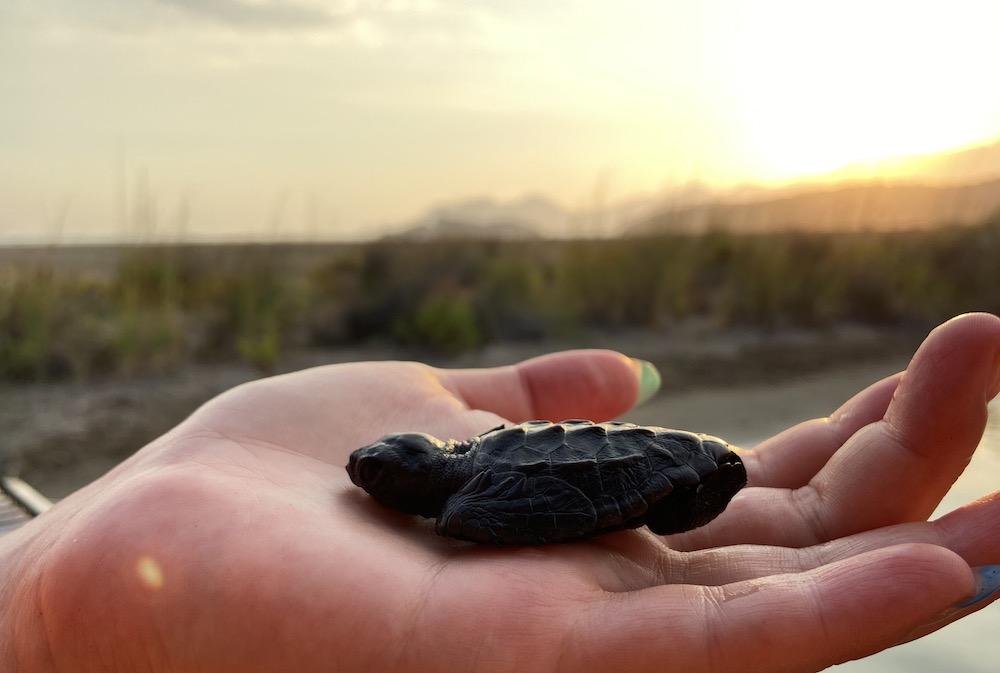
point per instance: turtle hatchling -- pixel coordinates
(541, 482)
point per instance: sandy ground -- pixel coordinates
(61, 436)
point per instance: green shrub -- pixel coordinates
(442, 323)
(161, 307)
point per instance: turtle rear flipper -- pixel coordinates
(689, 507)
(511, 508)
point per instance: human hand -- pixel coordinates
(236, 541)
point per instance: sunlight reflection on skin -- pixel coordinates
(149, 572)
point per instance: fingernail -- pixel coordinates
(649, 380)
(995, 385)
(987, 584)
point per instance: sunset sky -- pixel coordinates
(305, 118)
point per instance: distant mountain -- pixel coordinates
(868, 205)
(965, 166)
(534, 216)
(441, 229)
(530, 216)
(902, 193)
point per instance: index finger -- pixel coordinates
(593, 384)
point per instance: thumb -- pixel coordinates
(592, 384)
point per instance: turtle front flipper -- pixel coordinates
(511, 508)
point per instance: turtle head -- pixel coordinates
(406, 472)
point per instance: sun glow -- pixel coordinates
(357, 117)
(815, 86)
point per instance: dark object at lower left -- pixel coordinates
(541, 482)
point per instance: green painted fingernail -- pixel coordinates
(987, 584)
(649, 380)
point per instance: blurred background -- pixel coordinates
(772, 201)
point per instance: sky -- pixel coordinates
(288, 119)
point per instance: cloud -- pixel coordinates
(259, 15)
(232, 32)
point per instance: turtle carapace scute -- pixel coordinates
(541, 482)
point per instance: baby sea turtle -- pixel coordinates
(541, 482)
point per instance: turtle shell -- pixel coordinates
(621, 467)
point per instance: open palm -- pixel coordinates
(236, 542)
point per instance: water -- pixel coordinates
(969, 645)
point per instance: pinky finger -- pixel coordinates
(987, 591)
(795, 622)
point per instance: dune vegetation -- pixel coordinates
(160, 307)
